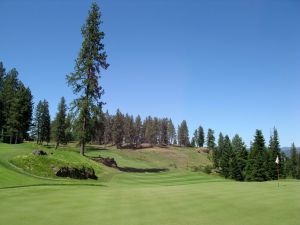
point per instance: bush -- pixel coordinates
(205, 169)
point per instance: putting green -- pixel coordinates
(117, 198)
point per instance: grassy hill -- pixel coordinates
(31, 194)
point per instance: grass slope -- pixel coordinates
(177, 197)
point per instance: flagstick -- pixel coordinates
(278, 173)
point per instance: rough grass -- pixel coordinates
(178, 197)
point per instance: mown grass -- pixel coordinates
(177, 197)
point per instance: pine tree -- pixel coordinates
(294, 161)
(210, 139)
(16, 104)
(45, 123)
(195, 139)
(273, 152)
(2, 76)
(108, 125)
(226, 158)
(99, 126)
(26, 109)
(129, 129)
(256, 169)
(240, 155)
(38, 122)
(164, 140)
(60, 123)
(118, 129)
(183, 133)
(201, 137)
(9, 97)
(298, 166)
(85, 79)
(138, 126)
(171, 132)
(193, 142)
(69, 129)
(218, 151)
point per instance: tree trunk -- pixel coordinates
(16, 140)
(10, 139)
(82, 144)
(57, 144)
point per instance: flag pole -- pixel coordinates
(277, 162)
(278, 174)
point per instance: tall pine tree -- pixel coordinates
(240, 156)
(210, 140)
(293, 161)
(60, 123)
(256, 169)
(201, 136)
(274, 152)
(226, 159)
(183, 133)
(85, 80)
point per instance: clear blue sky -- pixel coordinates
(233, 66)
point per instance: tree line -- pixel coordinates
(232, 159)
(16, 105)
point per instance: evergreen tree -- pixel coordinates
(226, 158)
(210, 139)
(2, 76)
(193, 142)
(69, 129)
(26, 109)
(108, 124)
(85, 79)
(298, 166)
(273, 152)
(218, 151)
(156, 131)
(201, 136)
(293, 161)
(10, 105)
(16, 107)
(99, 127)
(240, 155)
(129, 131)
(118, 129)
(195, 139)
(60, 123)
(164, 138)
(45, 123)
(171, 132)
(183, 132)
(138, 126)
(256, 169)
(38, 122)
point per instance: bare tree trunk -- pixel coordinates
(16, 140)
(57, 144)
(10, 139)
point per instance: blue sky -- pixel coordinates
(233, 66)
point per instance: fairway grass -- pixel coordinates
(177, 197)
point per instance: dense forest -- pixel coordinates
(84, 121)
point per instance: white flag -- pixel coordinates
(277, 160)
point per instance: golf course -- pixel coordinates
(149, 112)
(31, 194)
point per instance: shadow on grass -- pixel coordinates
(46, 185)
